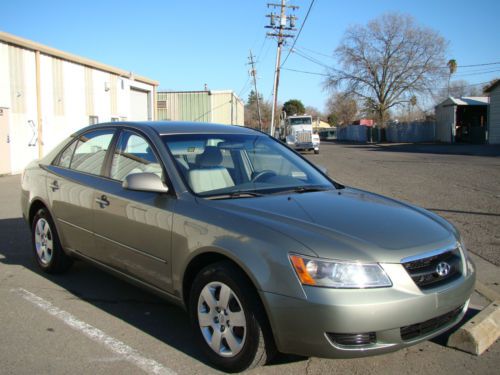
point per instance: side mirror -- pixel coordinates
(323, 169)
(144, 182)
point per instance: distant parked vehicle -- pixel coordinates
(298, 133)
(262, 248)
(328, 134)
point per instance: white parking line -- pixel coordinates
(126, 352)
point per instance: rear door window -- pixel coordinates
(90, 151)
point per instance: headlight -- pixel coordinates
(332, 274)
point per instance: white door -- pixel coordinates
(4, 142)
(139, 106)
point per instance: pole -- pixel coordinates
(253, 72)
(284, 21)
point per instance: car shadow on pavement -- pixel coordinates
(143, 310)
(443, 338)
(431, 148)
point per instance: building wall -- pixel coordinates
(222, 107)
(70, 93)
(445, 123)
(494, 117)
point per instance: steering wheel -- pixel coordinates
(265, 173)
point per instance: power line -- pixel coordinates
(306, 72)
(300, 30)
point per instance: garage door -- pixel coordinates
(139, 105)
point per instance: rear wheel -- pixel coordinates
(46, 245)
(228, 319)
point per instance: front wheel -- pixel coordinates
(316, 152)
(46, 245)
(228, 320)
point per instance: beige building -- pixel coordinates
(222, 107)
(46, 94)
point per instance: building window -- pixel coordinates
(93, 120)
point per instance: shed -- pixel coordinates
(47, 94)
(222, 107)
(494, 112)
(462, 120)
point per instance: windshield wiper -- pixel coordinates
(302, 189)
(236, 194)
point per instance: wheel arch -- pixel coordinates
(211, 256)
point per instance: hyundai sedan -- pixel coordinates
(264, 251)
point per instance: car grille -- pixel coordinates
(420, 329)
(427, 272)
(304, 137)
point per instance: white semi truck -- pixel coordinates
(298, 133)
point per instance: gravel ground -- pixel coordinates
(465, 189)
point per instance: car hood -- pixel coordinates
(348, 224)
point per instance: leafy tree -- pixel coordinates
(252, 114)
(388, 61)
(294, 107)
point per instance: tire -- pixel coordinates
(316, 152)
(244, 343)
(46, 245)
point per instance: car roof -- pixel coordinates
(180, 127)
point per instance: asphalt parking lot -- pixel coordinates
(90, 322)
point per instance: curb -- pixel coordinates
(480, 332)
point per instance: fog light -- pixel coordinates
(353, 339)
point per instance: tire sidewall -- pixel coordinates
(51, 266)
(254, 338)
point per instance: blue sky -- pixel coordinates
(185, 44)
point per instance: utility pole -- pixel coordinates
(285, 23)
(253, 73)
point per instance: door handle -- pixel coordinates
(102, 201)
(54, 185)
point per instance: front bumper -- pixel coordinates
(305, 326)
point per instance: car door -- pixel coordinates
(133, 229)
(70, 185)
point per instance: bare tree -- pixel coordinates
(342, 108)
(458, 89)
(388, 62)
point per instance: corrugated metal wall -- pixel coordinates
(184, 106)
(494, 117)
(445, 123)
(201, 106)
(68, 93)
(17, 82)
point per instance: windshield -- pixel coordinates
(233, 164)
(300, 120)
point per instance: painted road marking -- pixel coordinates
(123, 350)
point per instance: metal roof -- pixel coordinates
(34, 46)
(466, 100)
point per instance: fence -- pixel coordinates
(411, 132)
(401, 132)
